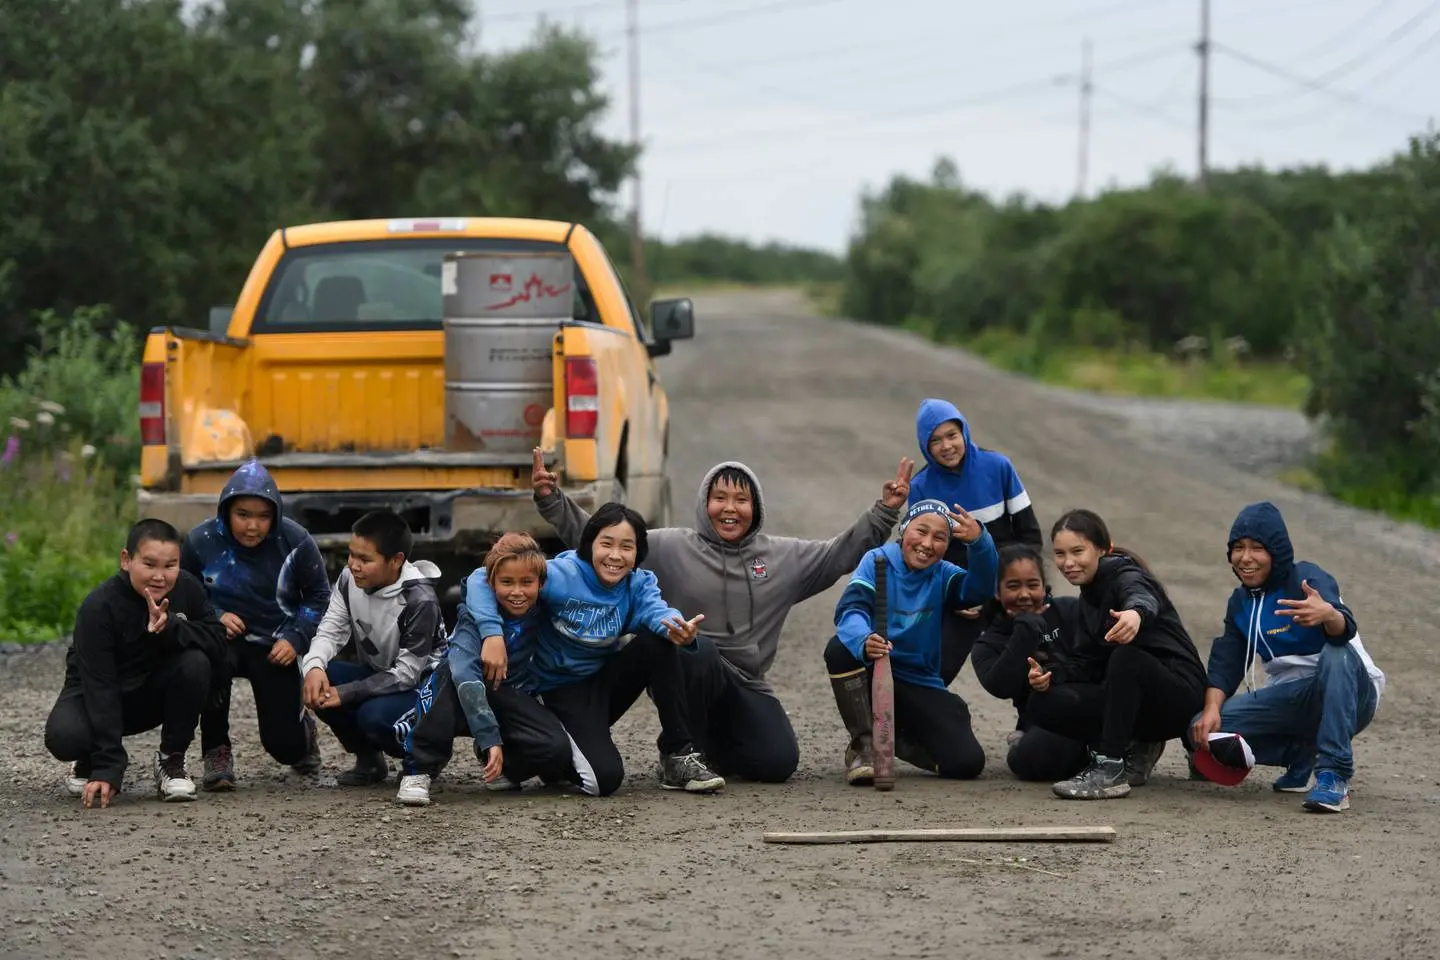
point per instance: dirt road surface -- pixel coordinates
(823, 410)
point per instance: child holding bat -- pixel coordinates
(920, 585)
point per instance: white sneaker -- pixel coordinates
(75, 784)
(414, 790)
(172, 783)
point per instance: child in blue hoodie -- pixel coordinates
(587, 673)
(920, 585)
(266, 581)
(1323, 687)
(515, 736)
(984, 483)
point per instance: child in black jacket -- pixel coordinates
(145, 644)
(1029, 629)
(1135, 678)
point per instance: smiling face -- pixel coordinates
(924, 541)
(250, 520)
(731, 509)
(613, 555)
(1022, 588)
(1076, 557)
(947, 444)
(1251, 562)
(517, 587)
(155, 566)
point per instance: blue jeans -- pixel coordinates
(1288, 723)
(369, 724)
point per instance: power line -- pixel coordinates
(1324, 112)
(743, 13)
(908, 45)
(1309, 82)
(1349, 66)
(982, 99)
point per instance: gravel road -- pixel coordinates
(823, 410)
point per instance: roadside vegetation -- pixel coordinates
(1302, 288)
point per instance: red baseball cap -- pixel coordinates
(1227, 762)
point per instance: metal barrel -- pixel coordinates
(501, 314)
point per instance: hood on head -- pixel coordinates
(250, 479)
(932, 413)
(702, 518)
(1262, 522)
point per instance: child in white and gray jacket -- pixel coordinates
(384, 617)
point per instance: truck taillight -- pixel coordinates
(152, 403)
(582, 398)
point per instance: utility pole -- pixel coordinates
(1086, 88)
(637, 237)
(1203, 48)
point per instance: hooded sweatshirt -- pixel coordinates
(396, 630)
(1254, 626)
(985, 484)
(915, 600)
(584, 619)
(1001, 655)
(1122, 584)
(279, 588)
(113, 653)
(468, 674)
(747, 588)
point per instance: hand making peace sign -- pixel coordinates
(542, 481)
(159, 612)
(967, 528)
(897, 491)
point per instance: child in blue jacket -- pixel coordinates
(267, 583)
(960, 472)
(920, 585)
(485, 687)
(585, 669)
(1323, 687)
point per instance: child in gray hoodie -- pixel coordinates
(745, 582)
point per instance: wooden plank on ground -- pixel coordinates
(972, 834)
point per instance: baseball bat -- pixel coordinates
(882, 690)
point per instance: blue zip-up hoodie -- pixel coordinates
(985, 484)
(280, 588)
(1253, 624)
(915, 600)
(584, 619)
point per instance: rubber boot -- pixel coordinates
(852, 697)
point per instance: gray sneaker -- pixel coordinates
(1104, 779)
(219, 769)
(687, 771)
(309, 764)
(1140, 761)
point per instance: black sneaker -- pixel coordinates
(219, 769)
(309, 764)
(172, 783)
(1140, 761)
(370, 768)
(1104, 779)
(687, 771)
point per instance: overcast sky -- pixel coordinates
(766, 119)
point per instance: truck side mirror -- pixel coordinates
(672, 320)
(220, 320)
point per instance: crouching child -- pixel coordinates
(484, 688)
(932, 723)
(384, 617)
(145, 644)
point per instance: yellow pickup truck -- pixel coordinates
(415, 364)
